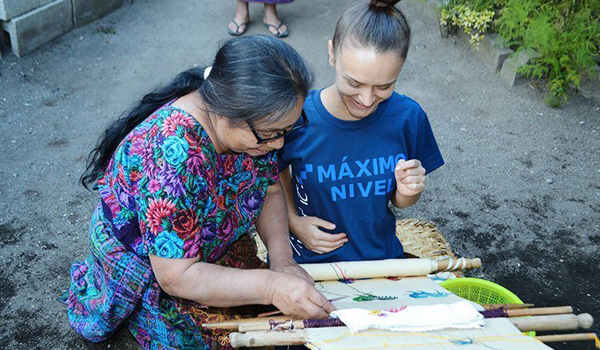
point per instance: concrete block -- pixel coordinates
(37, 27)
(493, 52)
(12, 8)
(512, 64)
(86, 11)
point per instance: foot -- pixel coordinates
(273, 23)
(239, 23)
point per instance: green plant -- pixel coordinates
(474, 23)
(565, 34)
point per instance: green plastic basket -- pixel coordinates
(482, 292)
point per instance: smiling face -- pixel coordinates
(363, 78)
(241, 139)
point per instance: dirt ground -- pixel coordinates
(520, 189)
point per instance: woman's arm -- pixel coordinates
(306, 228)
(272, 226)
(220, 286)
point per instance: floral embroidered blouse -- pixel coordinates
(171, 195)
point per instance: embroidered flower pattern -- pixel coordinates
(188, 200)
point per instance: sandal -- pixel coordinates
(237, 28)
(278, 35)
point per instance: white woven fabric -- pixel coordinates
(459, 315)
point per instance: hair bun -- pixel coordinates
(384, 3)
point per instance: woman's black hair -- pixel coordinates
(373, 24)
(254, 79)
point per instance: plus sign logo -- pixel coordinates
(308, 168)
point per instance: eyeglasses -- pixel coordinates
(303, 122)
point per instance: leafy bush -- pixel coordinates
(565, 34)
(473, 22)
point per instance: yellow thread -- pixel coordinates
(596, 340)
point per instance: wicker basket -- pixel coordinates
(419, 238)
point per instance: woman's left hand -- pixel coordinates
(410, 177)
(290, 267)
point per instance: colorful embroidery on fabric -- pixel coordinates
(419, 294)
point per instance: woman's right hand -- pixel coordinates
(307, 229)
(295, 297)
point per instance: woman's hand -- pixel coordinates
(307, 229)
(410, 177)
(295, 297)
(290, 267)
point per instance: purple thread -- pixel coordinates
(494, 313)
(330, 322)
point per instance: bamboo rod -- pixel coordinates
(256, 339)
(506, 306)
(235, 324)
(552, 322)
(386, 268)
(524, 324)
(558, 310)
(267, 323)
(566, 337)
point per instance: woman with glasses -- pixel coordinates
(365, 146)
(182, 178)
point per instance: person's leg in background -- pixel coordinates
(272, 21)
(239, 23)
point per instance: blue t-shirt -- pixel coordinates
(343, 172)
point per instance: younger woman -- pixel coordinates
(364, 146)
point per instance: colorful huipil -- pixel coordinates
(168, 193)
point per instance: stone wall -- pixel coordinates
(32, 23)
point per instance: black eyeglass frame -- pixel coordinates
(281, 134)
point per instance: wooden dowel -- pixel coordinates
(267, 326)
(558, 310)
(506, 306)
(386, 268)
(552, 322)
(267, 323)
(235, 324)
(256, 339)
(298, 337)
(524, 324)
(566, 337)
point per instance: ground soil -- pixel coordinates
(520, 189)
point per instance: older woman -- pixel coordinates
(182, 178)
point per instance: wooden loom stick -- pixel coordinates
(235, 324)
(528, 312)
(552, 322)
(256, 339)
(524, 324)
(506, 306)
(386, 268)
(566, 337)
(266, 323)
